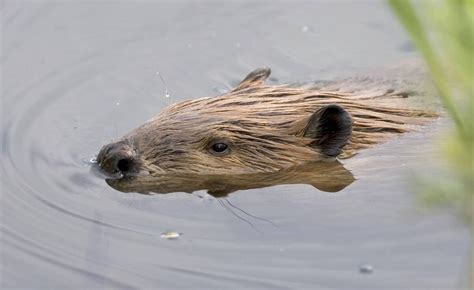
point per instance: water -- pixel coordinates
(76, 75)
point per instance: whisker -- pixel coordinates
(115, 129)
(167, 94)
(237, 216)
(251, 215)
(198, 196)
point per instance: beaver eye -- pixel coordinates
(219, 148)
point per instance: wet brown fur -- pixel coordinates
(266, 124)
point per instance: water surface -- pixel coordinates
(76, 75)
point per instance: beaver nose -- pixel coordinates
(118, 158)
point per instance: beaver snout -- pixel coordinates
(119, 158)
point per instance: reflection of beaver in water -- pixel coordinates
(254, 136)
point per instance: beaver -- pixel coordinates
(255, 135)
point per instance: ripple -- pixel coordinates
(65, 73)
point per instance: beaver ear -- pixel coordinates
(255, 78)
(330, 127)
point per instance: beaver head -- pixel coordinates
(231, 141)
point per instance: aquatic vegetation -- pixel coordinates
(443, 32)
(170, 235)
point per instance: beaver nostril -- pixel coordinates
(125, 165)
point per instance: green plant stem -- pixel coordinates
(407, 14)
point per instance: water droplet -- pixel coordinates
(89, 161)
(237, 44)
(305, 28)
(366, 269)
(117, 104)
(167, 95)
(220, 90)
(170, 235)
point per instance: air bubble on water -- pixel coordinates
(117, 104)
(237, 44)
(305, 28)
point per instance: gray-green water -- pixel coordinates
(77, 74)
